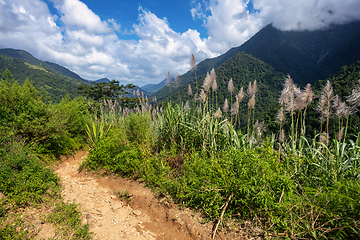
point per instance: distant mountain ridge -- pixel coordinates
(45, 74)
(21, 54)
(307, 56)
(50, 83)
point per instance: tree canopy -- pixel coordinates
(108, 90)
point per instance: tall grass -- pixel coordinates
(291, 185)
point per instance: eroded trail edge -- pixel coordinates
(141, 216)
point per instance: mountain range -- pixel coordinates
(52, 79)
(307, 56)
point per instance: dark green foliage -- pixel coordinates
(50, 129)
(67, 218)
(109, 90)
(31, 130)
(137, 127)
(23, 179)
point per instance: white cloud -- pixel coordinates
(80, 40)
(76, 14)
(307, 14)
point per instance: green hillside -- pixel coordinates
(243, 69)
(306, 55)
(23, 55)
(55, 84)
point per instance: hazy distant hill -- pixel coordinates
(306, 55)
(151, 88)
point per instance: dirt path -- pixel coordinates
(142, 217)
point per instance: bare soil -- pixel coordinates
(135, 213)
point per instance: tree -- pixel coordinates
(108, 90)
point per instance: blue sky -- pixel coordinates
(139, 41)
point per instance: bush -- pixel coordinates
(23, 179)
(53, 130)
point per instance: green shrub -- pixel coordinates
(67, 219)
(23, 179)
(137, 127)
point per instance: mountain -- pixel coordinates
(55, 79)
(152, 88)
(43, 78)
(102, 80)
(306, 55)
(243, 69)
(21, 54)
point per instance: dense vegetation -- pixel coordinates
(242, 69)
(51, 84)
(32, 134)
(287, 183)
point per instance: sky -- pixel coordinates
(139, 41)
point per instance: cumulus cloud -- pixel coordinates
(307, 14)
(79, 39)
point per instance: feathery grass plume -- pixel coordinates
(231, 89)
(241, 94)
(189, 92)
(252, 89)
(342, 111)
(290, 89)
(328, 92)
(309, 96)
(251, 103)
(202, 96)
(239, 97)
(280, 116)
(194, 66)
(207, 82)
(187, 106)
(235, 107)
(138, 92)
(214, 85)
(324, 138)
(340, 134)
(195, 96)
(260, 128)
(231, 86)
(206, 86)
(320, 108)
(218, 114)
(251, 108)
(249, 90)
(213, 79)
(354, 98)
(226, 106)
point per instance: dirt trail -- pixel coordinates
(142, 217)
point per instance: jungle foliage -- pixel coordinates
(287, 183)
(33, 134)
